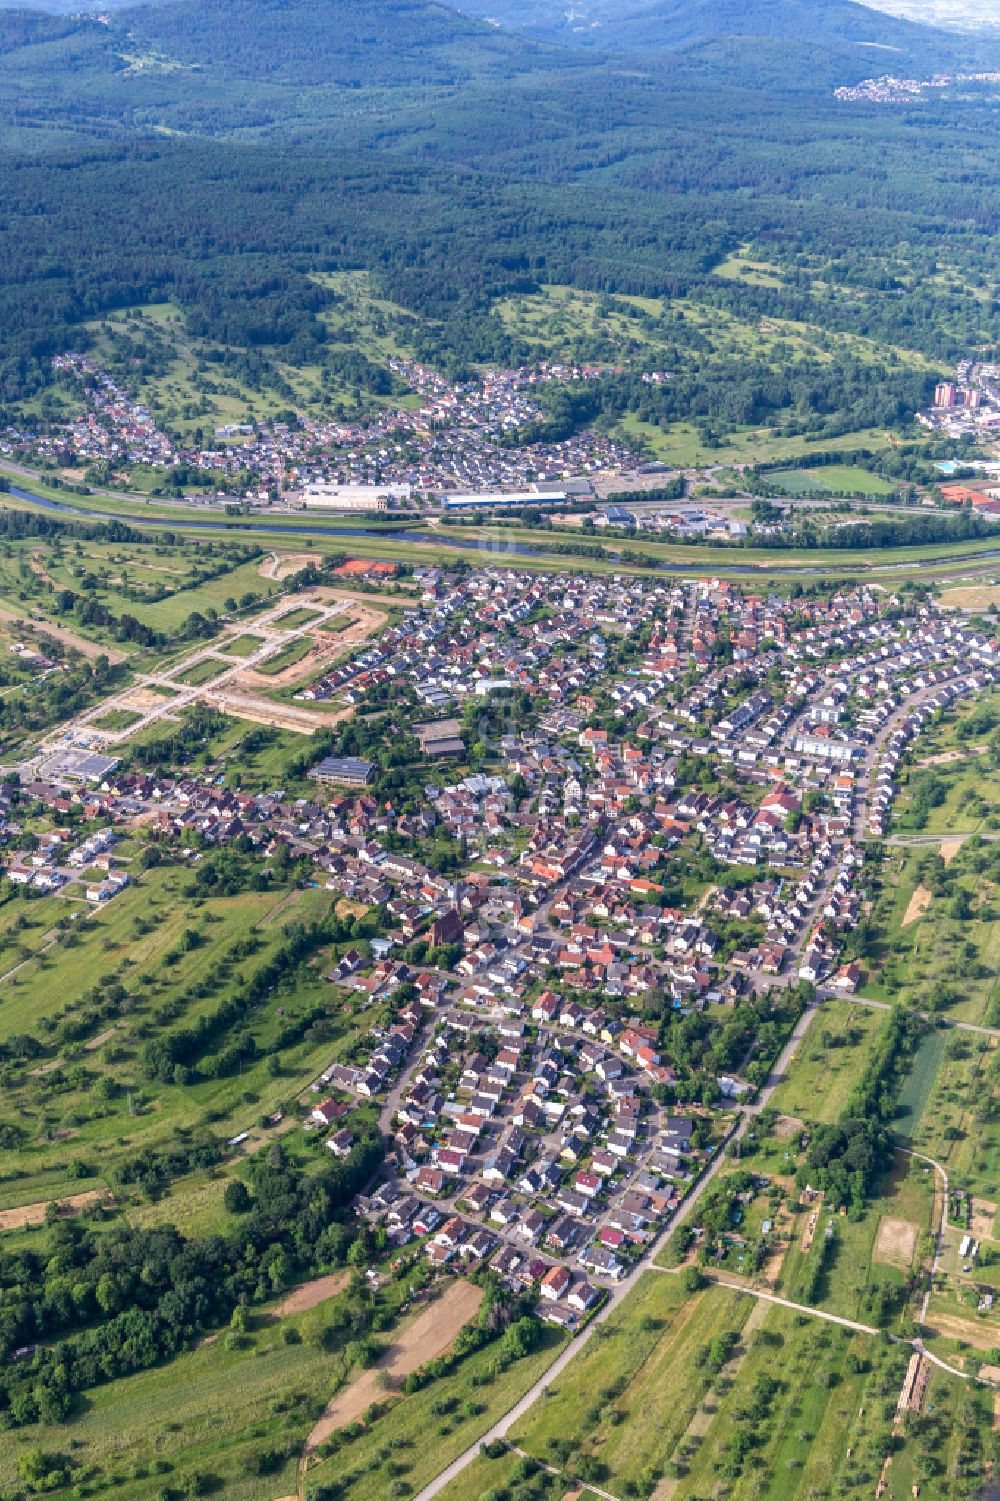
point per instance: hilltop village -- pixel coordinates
(612, 854)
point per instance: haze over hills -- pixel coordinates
(956, 15)
(641, 25)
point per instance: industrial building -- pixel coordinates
(321, 496)
(516, 498)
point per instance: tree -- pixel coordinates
(236, 1198)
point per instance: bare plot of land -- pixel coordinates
(980, 1336)
(787, 1126)
(971, 596)
(280, 566)
(917, 905)
(322, 650)
(430, 1333)
(266, 711)
(896, 1243)
(311, 1294)
(34, 1214)
(984, 1214)
(945, 758)
(950, 848)
(142, 698)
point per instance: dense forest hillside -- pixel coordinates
(643, 25)
(220, 155)
(379, 43)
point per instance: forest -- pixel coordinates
(465, 165)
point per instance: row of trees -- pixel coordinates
(848, 1158)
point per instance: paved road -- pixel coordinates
(931, 841)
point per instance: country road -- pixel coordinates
(935, 1018)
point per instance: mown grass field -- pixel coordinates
(828, 1062)
(845, 479)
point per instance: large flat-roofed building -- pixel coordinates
(320, 496)
(75, 765)
(484, 501)
(344, 771)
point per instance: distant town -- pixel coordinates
(888, 89)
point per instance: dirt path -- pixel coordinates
(99, 1040)
(279, 907)
(48, 939)
(917, 905)
(311, 1294)
(280, 565)
(34, 1214)
(431, 1332)
(89, 649)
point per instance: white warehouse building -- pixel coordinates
(321, 496)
